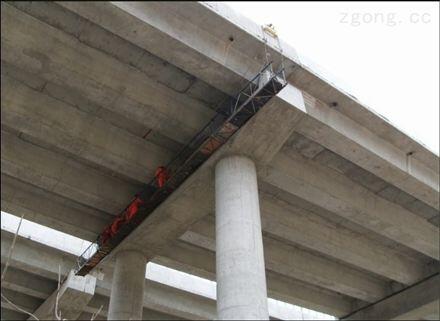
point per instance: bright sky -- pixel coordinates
(384, 53)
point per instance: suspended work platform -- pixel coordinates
(230, 117)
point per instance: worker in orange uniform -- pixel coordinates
(114, 228)
(133, 209)
(162, 176)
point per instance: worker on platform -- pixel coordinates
(162, 176)
(132, 209)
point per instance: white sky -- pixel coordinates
(391, 64)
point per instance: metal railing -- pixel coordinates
(232, 114)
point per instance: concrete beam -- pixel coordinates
(35, 258)
(23, 301)
(78, 134)
(63, 176)
(299, 264)
(209, 57)
(285, 222)
(335, 192)
(49, 209)
(101, 39)
(73, 296)
(415, 302)
(7, 313)
(27, 283)
(166, 29)
(201, 262)
(364, 148)
(302, 227)
(250, 136)
(98, 76)
(132, 18)
(258, 140)
(40, 259)
(99, 300)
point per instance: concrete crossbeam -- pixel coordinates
(171, 219)
(72, 297)
(415, 302)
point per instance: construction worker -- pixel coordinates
(132, 209)
(162, 176)
(115, 226)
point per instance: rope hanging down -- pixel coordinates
(270, 30)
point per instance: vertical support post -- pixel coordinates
(127, 293)
(240, 271)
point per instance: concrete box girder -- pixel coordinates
(153, 24)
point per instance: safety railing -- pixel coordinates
(232, 114)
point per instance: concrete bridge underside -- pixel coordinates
(96, 96)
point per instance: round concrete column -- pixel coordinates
(241, 279)
(127, 294)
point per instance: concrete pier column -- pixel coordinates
(127, 294)
(241, 279)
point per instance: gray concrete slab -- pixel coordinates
(415, 302)
(306, 179)
(159, 27)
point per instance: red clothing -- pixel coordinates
(161, 176)
(132, 209)
(114, 228)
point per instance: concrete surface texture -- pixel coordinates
(339, 210)
(240, 272)
(126, 299)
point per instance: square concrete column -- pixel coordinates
(127, 294)
(240, 271)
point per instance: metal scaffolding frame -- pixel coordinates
(229, 118)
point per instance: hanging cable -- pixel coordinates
(270, 29)
(18, 308)
(6, 268)
(95, 314)
(11, 248)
